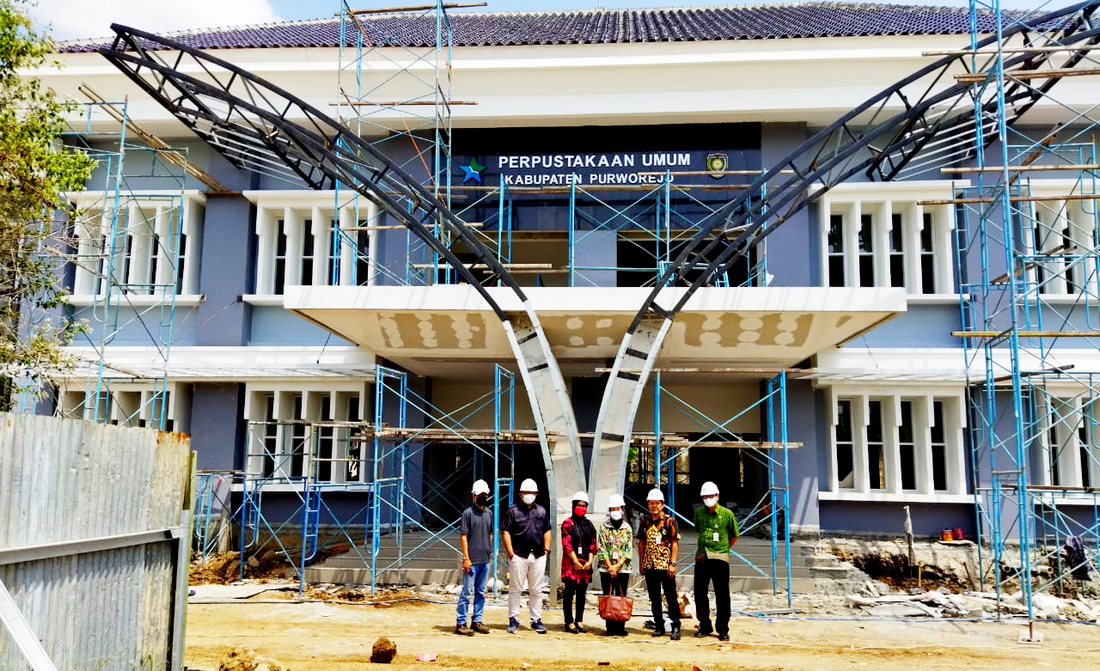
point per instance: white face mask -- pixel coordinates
(528, 498)
(616, 515)
(710, 501)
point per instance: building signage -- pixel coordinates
(590, 169)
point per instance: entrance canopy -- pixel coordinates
(450, 330)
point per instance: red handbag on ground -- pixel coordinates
(616, 607)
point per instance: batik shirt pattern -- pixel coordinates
(658, 535)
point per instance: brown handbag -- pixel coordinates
(616, 608)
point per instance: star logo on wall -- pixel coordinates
(472, 171)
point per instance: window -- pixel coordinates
(129, 404)
(295, 236)
(1067, 449)
(310, 433)
(142, 246)
(897, 443)
(878, 236)
(1057, 239)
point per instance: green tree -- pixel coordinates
(35, 172)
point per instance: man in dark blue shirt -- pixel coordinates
(526, 532)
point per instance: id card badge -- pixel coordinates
(615, 555)
(660, 539)
(715, 537)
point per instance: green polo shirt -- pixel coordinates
(715, 531)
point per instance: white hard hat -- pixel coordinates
(481, 487)
(528, 485)
(709, 489)
(655, 495)
(615, 501)
(580, 496)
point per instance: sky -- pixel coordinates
(76, 19)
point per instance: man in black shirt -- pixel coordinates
(527, 535)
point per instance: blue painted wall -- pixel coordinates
(218, 428)
(887, 519)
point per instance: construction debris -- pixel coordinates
(939, 603)
(246, 659)
(383, 652)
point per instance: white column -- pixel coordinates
(912, 219)
(943, 250)
(923, 418)
(881, 225)
(267, 233)
(142, 229)
(891, 450)
(861, 417)
(347, 245)
(292, 226)
(954, 423)
(851, 244)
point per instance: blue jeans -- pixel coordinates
(473, 583)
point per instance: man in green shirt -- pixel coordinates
(718, 532)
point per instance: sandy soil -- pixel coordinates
(316, 635)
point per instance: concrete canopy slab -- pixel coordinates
(430, 330)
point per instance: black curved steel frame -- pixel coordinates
(935, 128)
(261, 127)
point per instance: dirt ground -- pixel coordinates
(325, 635)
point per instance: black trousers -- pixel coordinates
(573, 589)
(619, 583)
(717, 572)
(655, 581)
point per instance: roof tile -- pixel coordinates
(748, 22)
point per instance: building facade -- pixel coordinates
(584, 149)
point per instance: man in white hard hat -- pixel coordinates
(527, 535)
(718, 532)
(477, 550)
(658, 546)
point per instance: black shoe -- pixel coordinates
(657, 632)
(723, 636)
(676, 633)
(703, 632)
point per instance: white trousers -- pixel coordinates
(526, 573)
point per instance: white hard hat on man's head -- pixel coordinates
(655, 495)
(615, 501)
(528, 485)
(480, 487)
(581, 496)
(709, 489)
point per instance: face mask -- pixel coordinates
(579, 511)
(616, 515)
(710, 501)
(528, 498)
(482, 500)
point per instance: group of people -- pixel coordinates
(527, 536)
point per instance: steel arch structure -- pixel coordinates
(932, 132)
(261, 127)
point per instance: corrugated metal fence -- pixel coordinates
(94, 536)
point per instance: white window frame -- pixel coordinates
(1044, 222)
(891, 396)
(340, 393)
(130, 403)
(93, 224)
(882, 201)
(288, 210)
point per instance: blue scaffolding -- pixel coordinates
(1028, 259)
